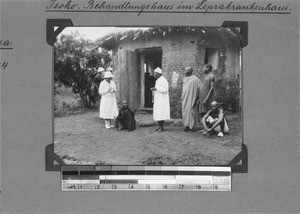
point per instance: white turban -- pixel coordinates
(158, 70)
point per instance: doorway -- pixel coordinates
(150, 60)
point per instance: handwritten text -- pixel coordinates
(139, 7)
(3, 65)
(5, 45)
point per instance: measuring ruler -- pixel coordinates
(112, 178)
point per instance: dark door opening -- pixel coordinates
(152, 61)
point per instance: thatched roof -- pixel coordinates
(208, 35)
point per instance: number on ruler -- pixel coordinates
(198, 186)
(181, 186)
(148, 186)
(165, 186)
(79, 186)
(71, 187)
(114, 186)
(215, 186)
(97, 186)
(131, 186)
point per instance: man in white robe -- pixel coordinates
(189, 96)
(108, 104)
(161, 106)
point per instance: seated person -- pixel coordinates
(214, 121)
(126, 118)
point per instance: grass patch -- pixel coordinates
(66, 102)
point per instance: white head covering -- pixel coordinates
(108, 74)
(158, 70)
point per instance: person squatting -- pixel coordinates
(197, 102)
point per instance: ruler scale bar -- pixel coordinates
(118, 181)
(110, 178)
(107, 177)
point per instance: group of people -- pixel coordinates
(197, 102)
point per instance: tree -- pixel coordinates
(76, 65)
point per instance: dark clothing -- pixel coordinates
(149, 83)
(205, 86)
(126, 119)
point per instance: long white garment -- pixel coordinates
(161, 106)
(108, 103)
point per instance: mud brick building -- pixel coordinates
(137, 53)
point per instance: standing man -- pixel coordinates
(189, 97)
(161, 106)
(108, 104)
(206, 90)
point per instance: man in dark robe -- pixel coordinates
(126, 118)
(206, 90)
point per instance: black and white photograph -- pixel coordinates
(145, 95)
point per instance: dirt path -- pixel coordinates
(82, 139)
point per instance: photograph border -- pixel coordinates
(239, 164)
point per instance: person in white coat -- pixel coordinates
(108, 104)
(161, 106)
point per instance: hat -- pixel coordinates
(108, 74)
(158, 70)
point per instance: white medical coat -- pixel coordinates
(161, 106)
(108, 104)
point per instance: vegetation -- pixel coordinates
(228, 94)
(76, 65)
(66, 102)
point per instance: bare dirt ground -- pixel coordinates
(82, 139)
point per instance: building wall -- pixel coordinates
(178, 52)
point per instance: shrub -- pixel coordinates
(227, 92)
(62, 109)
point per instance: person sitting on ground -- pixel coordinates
(214, 121)
(126, 118)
